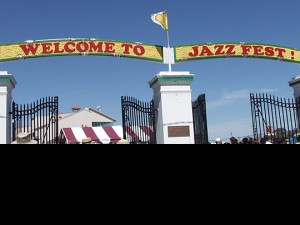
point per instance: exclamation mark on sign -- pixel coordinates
(293, 55)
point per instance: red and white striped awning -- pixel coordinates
(109, 134)
(136, 134)
(104, 134)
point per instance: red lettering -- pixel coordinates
(219, 50)
(195, 52)
(230, 49)
(67, 47)
(206, 51)
(127, 48)
(246, 49)
(82, 47)
(96, 48)
(109, 47)
(47, 48)
(258, 50)
(280, 52)
(56, 48)
(139, 50)
(27, 49)
(269, 51)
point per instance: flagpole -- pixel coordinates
(168, 38)
(169, 51)
(162, 20)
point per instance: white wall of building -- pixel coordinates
(85, 117)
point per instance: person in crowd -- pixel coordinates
(98, 142)
(123, 142)
(265, 141)
(268, 140)
(86, 141)
(256, 141)
(245, 141)
(234, 141)
(251, 141)
(298, 140)
(24, 138)
(262, 141)
(218, 141)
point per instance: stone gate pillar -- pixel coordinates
(295, 84)
(173, 104)
(7, 84)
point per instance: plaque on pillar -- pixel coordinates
(179, 131)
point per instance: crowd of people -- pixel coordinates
(262, 141)
(25, 138)
(89, 141)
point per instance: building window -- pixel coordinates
(101, 124)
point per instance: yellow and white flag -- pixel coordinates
(161, 19)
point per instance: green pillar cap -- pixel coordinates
(172, 79)
(294, 81)
(6, 78)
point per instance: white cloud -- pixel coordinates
(265, 91)
(237, 96)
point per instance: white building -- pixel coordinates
(86, 117)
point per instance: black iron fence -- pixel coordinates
(40, 119)
(138, 121)
(275, 118)
(200, 120)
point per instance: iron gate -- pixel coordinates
(275, 118)
(40, 119)
(200, 120)
(138, 121)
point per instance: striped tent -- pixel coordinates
(109, 134)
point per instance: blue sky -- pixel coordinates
(101, 81)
